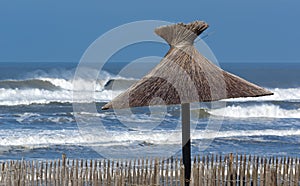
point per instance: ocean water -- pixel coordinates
(37, 119)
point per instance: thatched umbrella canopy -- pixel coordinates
(182, 72)
(184, 76)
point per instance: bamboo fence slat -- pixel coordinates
(206, 170)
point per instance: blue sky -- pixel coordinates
(244, 31)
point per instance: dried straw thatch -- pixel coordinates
(184, 75)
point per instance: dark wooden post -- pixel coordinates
(186, 141)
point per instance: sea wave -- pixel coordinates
(28, 84)
(36, 138)
(262, 110)
(44, 89)
(46, 82)
(12, 97)
(280, 94)
(38, 118)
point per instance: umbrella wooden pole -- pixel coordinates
(186, 141)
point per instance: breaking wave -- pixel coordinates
(32, 138)
(43, 88)
(264, 110)
(280, 94)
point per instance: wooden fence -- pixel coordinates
(206, 170)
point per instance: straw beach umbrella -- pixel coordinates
(182, 77)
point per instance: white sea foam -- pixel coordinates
(263, 110)
(30, 96)
(280, 94)
(12, 97)
(21, 117)
(244, 133)
(34, 117)
(59, 82)
(38, 138)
